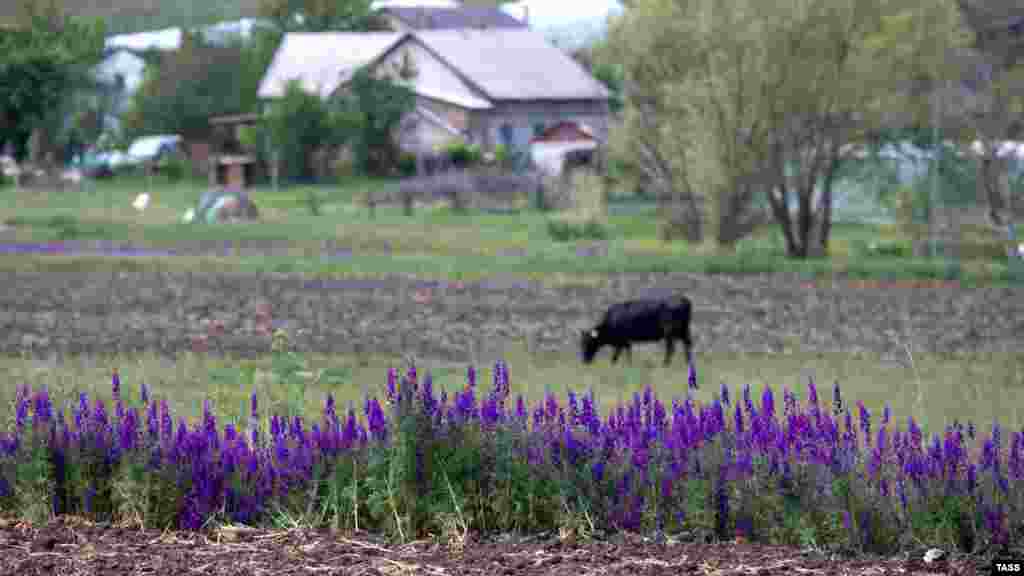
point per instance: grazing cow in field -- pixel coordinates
(641, 321)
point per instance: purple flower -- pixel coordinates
(129, 430)
(254, 411)
(21, 411)
(392, 379)
(767, 404)
(115, 385)
(427, 394)
(144, 393)
(837, 400)
(692, 377)
(739, 422)
(166, 425)
(865, 421)
(471, 376)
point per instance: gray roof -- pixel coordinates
(500, 63)
(322, 61)
(441, 18)
(513, 64)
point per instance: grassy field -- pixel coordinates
(434, 243)
(977, 387)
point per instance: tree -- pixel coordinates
(321, 15)
(744, 100)
(299, 123)
(43, 57)
(180, 93)
(377, 103)
(990, 107)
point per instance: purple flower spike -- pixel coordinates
(725, 394)
(692, 377)
(115, 384)
(254, 411)
(144, 393)
(812, 394)
(392, 393)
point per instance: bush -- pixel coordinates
(175, 167)
(463, 155)
(406, 164)
(568, 230)
(888, 248)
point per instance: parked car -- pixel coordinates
(97, 165)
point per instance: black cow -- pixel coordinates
(641, 321)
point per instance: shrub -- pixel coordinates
(406, 164)
(175, 167)
(463, 155)
(568, 230)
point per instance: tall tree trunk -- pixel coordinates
(777, 197)
(989, 174)
(826, 201)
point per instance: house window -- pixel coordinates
(538, 128)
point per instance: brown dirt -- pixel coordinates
(71, 546)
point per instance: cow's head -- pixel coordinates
(590, 343)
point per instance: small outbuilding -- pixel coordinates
(550, 149)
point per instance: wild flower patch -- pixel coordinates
(418, 460)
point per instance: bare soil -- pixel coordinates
(71, 546)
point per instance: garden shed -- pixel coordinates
(550, 147)
(231, 165)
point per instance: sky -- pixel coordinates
(571, 21)
(564, 17)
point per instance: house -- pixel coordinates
(409, 18)
(488, 86)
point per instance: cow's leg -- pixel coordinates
(615, 356)
(670, 348)
(629, 354)
(688, 344)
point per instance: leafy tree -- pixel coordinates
(990, 109)
(43, 57)
(321, 15)
(735, 100)
(377, 103)
(299, 123)
(185, 88)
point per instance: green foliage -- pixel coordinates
(566, 230)
(181, 90)
(176, 167)
(407, 164)
(373, 106)
(463, 155)
(44, 57)
(318, 16)
(297, 125)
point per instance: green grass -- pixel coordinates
(435, 242)
(979, 387)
